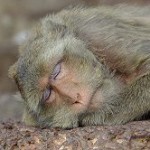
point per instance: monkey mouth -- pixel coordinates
(76, 102)
(81, 103)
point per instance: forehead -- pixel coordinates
(38, 56)
(47, 44)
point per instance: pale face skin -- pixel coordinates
(65, 83)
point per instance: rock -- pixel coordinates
(132, 136)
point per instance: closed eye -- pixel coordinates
(46, 95)
(56, 71)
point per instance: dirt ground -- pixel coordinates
(15, 19)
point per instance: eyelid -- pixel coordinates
(56, 71)
(46, 94)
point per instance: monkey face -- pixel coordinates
(65, 90)
(60, 74)
(64, 82)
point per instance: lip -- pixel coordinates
(77, 102)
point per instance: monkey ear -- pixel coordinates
(12, 72)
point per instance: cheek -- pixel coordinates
(71, 87)
(78, 95)
(96, 101)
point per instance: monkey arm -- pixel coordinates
(130, 104)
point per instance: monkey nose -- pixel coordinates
(77, 99)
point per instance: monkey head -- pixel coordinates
(56, 71)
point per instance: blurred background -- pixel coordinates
(16, 16)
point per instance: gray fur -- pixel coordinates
(113, 38)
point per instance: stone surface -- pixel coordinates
(132, 136)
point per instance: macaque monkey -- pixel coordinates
(86, 66)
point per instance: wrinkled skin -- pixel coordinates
(86, 66)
